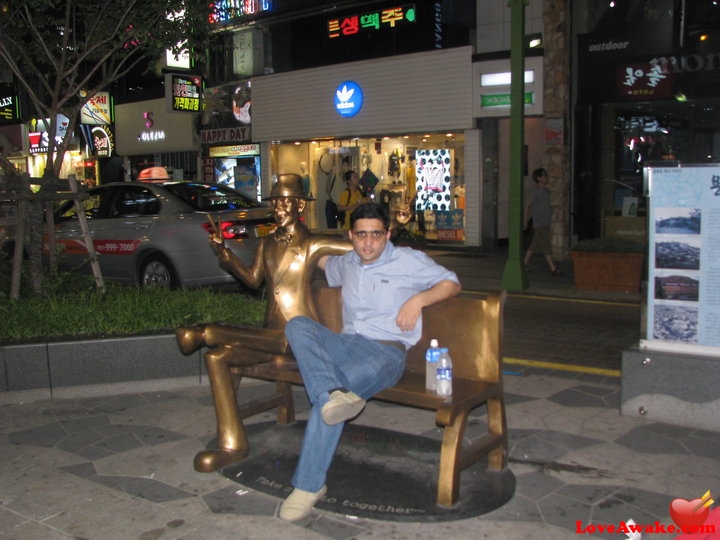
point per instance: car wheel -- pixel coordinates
(157, 272)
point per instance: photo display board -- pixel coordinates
(683, 302)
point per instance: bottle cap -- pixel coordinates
(433, 342)
(444, 350)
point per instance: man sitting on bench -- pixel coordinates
(384, 289)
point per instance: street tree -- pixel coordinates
(62, 52)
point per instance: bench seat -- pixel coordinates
(471, 326)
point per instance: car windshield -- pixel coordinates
(210, 197)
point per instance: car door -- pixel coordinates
(119, 217)
(124, 228)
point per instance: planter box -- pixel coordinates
(597, 271)
(55, 365)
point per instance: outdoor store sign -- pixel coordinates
(683, 302)
(371, 21)
(39, 136)
(503, 100)
(185, 92)
(9, 109)
(235, 151)
(97, 110)
(348, 98)
(225, 11)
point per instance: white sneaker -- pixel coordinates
(342, 406)
(299, 504)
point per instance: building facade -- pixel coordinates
(646, 93)
(428, 138)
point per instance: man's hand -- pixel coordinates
(410, 311)
(409, 314)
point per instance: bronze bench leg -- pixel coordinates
(450, 461)
(497, 458)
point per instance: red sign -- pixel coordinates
(644, 81)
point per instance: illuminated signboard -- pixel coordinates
(149, 134)
(184, 93)
(651, 80)
(348, 99)
(103, 141)
(235, 151)
(503, 100)
(225, 11)
(371, 21)
(9, 108)
(98, 109)
(39, 136)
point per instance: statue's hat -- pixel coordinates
(288, 185)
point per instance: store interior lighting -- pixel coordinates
(504, 78)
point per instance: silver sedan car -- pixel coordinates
(157, 234)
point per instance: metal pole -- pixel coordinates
(514, 277)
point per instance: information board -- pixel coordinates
(683, 298)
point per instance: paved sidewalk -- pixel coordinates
(121, 467)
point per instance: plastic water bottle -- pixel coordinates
(443, 385)
(431, 358)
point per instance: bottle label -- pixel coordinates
(444, 374)
(432, 355)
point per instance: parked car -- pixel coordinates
(157, 234)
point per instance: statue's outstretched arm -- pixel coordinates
(252, 276)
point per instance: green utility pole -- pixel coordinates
(514, 277)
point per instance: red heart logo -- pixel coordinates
(683, 512)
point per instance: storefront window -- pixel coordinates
(419, 179)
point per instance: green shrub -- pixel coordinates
(71, 307)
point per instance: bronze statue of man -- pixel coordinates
(285, 261)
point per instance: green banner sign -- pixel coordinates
(503, 100)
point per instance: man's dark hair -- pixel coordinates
(537, 173)
(370, 210)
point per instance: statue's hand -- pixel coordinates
(217, 244)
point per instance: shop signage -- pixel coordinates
(235, 151)
(103, 142)
(503, 100)
(97, 110)
(178, 61)
(184, 95)
(348, 98)
(644, 81)
(9, 109)
(39, 137)
(150, 135)
(224, 135)
(370, 21)
(226, 11)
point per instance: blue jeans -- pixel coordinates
(328, 361)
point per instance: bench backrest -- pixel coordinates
(471, 326)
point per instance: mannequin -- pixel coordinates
(305, 178)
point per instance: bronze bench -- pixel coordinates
(471, 326)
